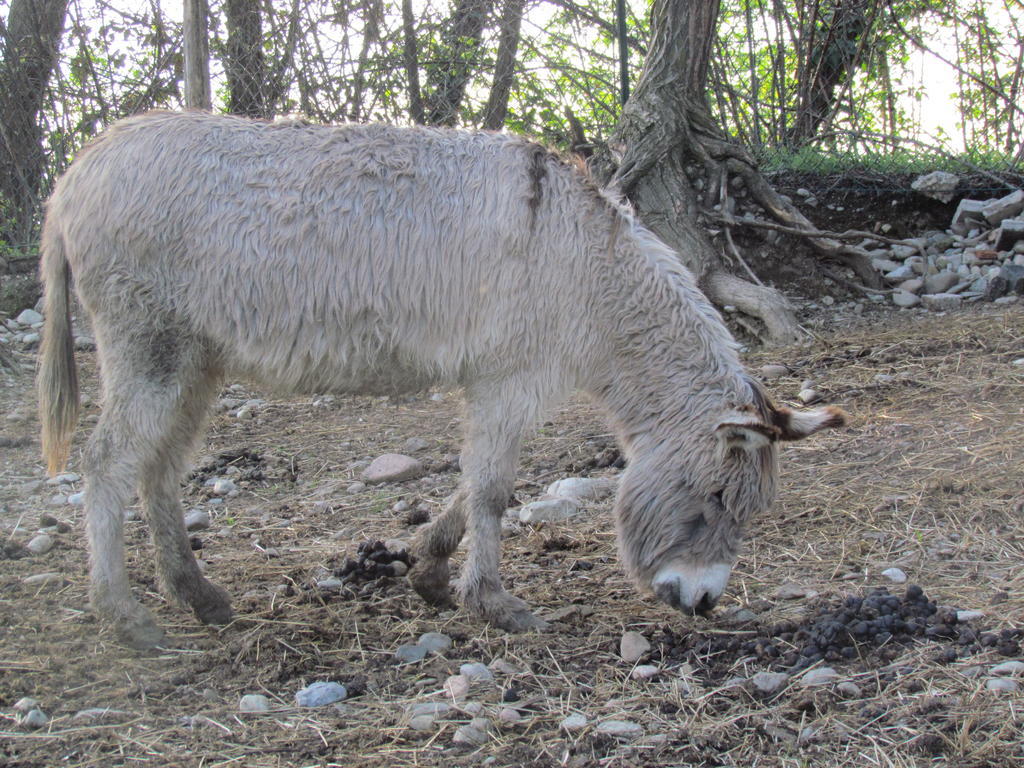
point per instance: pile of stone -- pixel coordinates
(980, 257)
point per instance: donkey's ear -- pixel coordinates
(796, 425)
(741, 429)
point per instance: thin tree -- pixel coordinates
(197, 54)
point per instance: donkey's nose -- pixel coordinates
(691, 589)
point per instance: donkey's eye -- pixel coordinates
(718, 499)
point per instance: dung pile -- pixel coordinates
(856, 627)
(373, 561)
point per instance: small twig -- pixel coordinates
(837, 278)
(736, 252)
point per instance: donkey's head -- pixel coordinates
(684, 500)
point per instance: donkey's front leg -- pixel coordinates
(491, 452)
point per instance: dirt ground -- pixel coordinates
(929, 477)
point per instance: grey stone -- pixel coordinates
(471, 735)
(941, 302)
(476, 672)
(356, 487)
(222, 486)
(50, 579)
(548, 510)
(769, 682)
(913, 285)
(422, 723)
(1009, 279)
(34, 718)
(848, 690)
(320, 694)
(197, 520)
(792, 591)
(968, 214)
(632, 646)
(898, 275)
(77, 499)
(457, 686)
(574, 722)
(819, 676)
(29, 317)
(1006, 207)
(901, 252)
(1009, 234)
(25, 703)
(1008, 668)
(330, 584)
(583, 488)
(432, 709)
(415, 445)
(621, 729)
(40, 545)
(969, 615)
(808, 396)
(998, 684)
(65, 478)
(409, 653)
(905, 299)
(885, 265)
(509, 716)
(940, 282)
(774, 371)
(254, 702)
(502, 667)
(435, 642)
(398, 568)
(392, 468)
(939, 185)
(895, 575)
(99, 714)
(645, 672)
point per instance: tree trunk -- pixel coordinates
(244, 63)
(411, 60)
(448, 77)
(31, 41)
(197, 54)
(504, 68)
(666, 147)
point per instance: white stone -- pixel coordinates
(222, 486)
(435, 642)
(574, 722)
(774, 371)
(29, 317)
(940, 185)
(470, 735)
(320, 694)
(1000, 684)
(392, 468)
(622, 729)
(969, 615)
(25, 703)
(34, 718)
(895, 575)
(1008, 669)
(905, 299)
(254, 702)
(476, 672)
(197, 520)
(808, 396)
(632, 646)
(457, 686)
(356, 487)
(941, 302)
(65, 478)
(509, 716)
(583, 488)
(40, 545)
(645, 672)
(819, 676)
(769, 682)
(548, 510)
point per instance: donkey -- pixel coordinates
(377, 259)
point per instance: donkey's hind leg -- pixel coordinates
(434, 544)
(165, 463)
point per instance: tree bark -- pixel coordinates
(244, 64)
(411, 61)
(504, 68)
(31, 41)
(666, 146)
(448, 78)
(197, 54)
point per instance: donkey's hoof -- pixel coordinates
(140, 633)
(521, 620)
(505, 611)
(212, 605)
(429, 577)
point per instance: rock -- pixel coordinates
(392, 468)
(939, 185)
(398, 568)
(99, 714)
(968, 215)
(77, 499)
(1009, 280)
(808, 396)
(573, 722)
(848, 690)
(29, 317)
(898, 275)
(999, 684)
(885, 265)
(941, 302)
(905, 299)
(913, 285)
(415, 445)
(940, 282)
(254, 702)
(320, 694)
(548, 510)
(331, 584)
(409, 653)
(774, 371)
(36, 718)
(645, 672)
(51, 579)
(25, 703)
(997, 211)
(422, 723)
(620, 729)
(509, 716)
(769, 682)
(222, 486)
(738, 616)
(471, 735)
(473, 708)
(1008, 669)
(965, 616)
(1009, 235)
(435, 642)
(819, 676)
(197, 520)
(401, 506)
(476, 672)
(632, 646)
(895, 575)
(40, 545)
(502, 667)
(583, 488)
(457, 686)
(65, 478)
(793, 591)
(356, 487)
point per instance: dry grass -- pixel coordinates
(928, 478)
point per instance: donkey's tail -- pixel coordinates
(57, 378)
